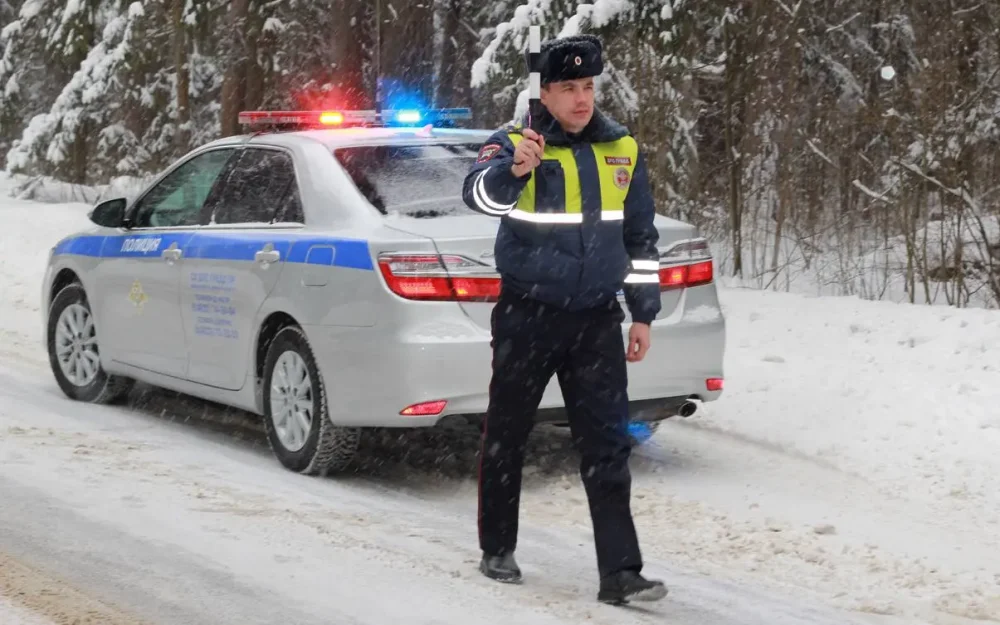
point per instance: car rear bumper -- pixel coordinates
(372, 374)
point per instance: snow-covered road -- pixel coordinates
(848, 476)
(180, 525)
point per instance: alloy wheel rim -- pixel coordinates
(76, 345)
(291, 401)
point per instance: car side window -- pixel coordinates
(178, 198)
(260, 188)
(291, 208)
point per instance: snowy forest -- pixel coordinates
(833, 146)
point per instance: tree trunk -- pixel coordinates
(254, 91)
(234, 81)
(352, 36)
(182, 139)
(78, 175)
(733, 117)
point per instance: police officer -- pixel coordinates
(576, 227)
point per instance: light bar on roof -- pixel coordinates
(306, 118)
(341, 118)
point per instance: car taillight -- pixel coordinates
(689, 263)
(446, 277)
(425, 409)
(682, 276)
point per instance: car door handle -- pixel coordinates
(172, 254)
(267, 255)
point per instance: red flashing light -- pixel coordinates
(425, 409)
(713, 384)
(306, 119)
(683, 276)
(331, 118)
(429, 277)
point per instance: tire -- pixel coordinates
(321, 448)
(78, 370)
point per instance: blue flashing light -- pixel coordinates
(408, 117)
(434, 117)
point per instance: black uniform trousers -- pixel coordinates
(585, 350)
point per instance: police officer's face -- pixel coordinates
(571, 102)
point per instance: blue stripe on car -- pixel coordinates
(351, 253)
(81, 246)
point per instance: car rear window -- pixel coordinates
(411, 180)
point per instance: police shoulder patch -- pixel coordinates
(487, 152)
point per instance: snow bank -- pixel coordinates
(902, 395)
(52, 191)
(28, 230)
(892, 409)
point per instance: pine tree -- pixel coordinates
(87, 109)
(843, 138)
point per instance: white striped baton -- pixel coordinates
(534, 76)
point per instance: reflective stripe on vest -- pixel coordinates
(615, 165)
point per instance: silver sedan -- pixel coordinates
(330, 280)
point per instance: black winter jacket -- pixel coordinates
(579, 229)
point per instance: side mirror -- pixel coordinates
(110, 214)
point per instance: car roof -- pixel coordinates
(334, 138)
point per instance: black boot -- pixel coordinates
(501, 568)
(624, 586)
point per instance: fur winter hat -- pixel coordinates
(569, 58)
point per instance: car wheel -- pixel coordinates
(295, 410)
(74, 350)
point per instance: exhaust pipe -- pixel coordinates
(687, 409)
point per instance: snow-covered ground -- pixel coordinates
(848, 475)
(11, 614)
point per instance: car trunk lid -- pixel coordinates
(471, 238)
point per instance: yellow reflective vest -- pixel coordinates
(579, 228)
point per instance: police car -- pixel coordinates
(323, 272)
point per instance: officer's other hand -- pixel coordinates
(638, 342)
(528, 154)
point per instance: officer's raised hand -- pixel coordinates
(528, 154)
